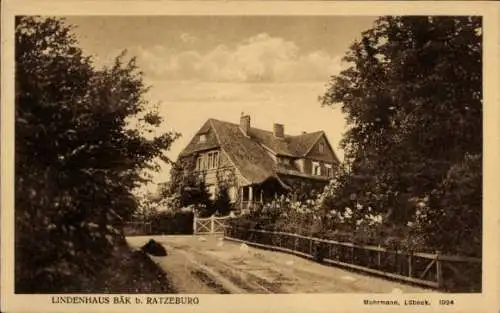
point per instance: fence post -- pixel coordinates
(311, 247)
(379, 257)
(194, 225)
(410, 259)
(397, 261)
(224, 227)
(212, 224)
(439, 270)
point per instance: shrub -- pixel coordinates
(451, 220)
(172, 223)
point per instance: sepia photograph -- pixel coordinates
(176, 156)
(269, 154)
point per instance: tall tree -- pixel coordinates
(412, 94)
(189, 186)
(77, 157)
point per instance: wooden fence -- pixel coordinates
(137, 228)
(209, 225)
(435, 270)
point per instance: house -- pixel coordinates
(256, 165)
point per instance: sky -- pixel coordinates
(273, 68)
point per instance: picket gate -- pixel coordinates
(210, 225)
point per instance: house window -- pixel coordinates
(199, 163)
(329, 170)
(316, 168)
(321, 147)
(213, 160)
(210, 160)
(203, 138)
(284, 160)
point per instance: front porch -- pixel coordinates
(251, 197)
(255, 195)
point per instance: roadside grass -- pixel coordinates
(130, 271)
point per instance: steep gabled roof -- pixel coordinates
(253, 162)
(249, 152)
(195, 145)
(302, 144)
(266, 138)
(292, 146)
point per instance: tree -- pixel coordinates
(412, 94)
(222, 203)
(77, 156)
(189, 186)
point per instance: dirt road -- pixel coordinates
(209, 264)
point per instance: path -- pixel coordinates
(209, 264)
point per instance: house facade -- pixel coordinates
(255, 165)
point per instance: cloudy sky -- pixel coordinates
(199, 67)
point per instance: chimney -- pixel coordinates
(245, 124)
(279, 130)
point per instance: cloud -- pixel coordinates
(188, 38)
(275, 94)
(192, 91)
(260, 58)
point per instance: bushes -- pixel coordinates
(179, 223)
(451, 219)
(222, 204)
(359, 225)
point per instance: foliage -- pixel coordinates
(77, 158)
(187, 187)
(358, 225)
(412, 96)
(172, 223)
(452, 216)
(222, 203)
(129, 272)
(301, 189)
